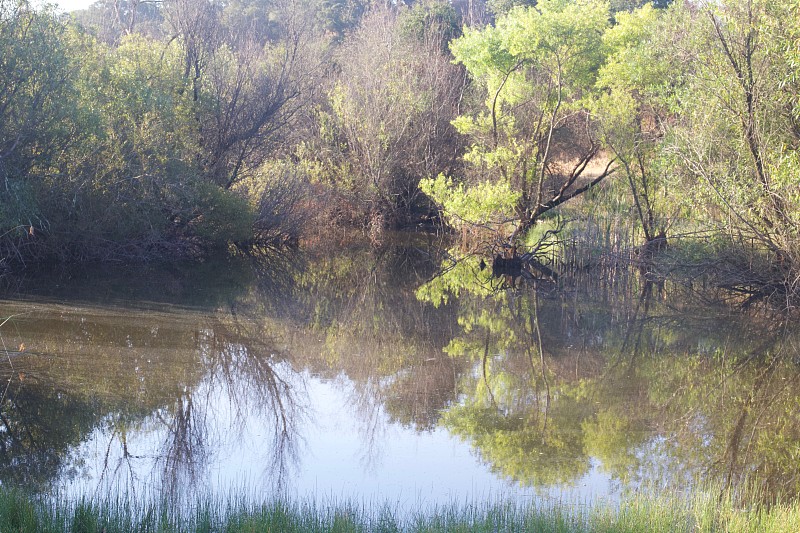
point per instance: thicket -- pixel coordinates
(121, 144)
(137, 128)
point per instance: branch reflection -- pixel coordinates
(646, 379)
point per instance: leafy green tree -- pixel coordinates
(37, 75)
(635, 106)
(533, 133)
(133, 184)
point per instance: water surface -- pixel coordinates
(363, 376)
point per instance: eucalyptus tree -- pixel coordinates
(533, 139)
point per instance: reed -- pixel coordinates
(649, 511)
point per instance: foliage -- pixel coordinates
(737, 136)
(634, 108)
(37, 73)
(386, 122)
(535, 67)
(277, 190)
(127, 129)
(130, 149)
(484, 203)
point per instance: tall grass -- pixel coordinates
(646, 512)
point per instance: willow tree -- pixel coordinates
(738, 136)
(532, 139)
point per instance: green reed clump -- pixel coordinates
(703, 510)
(648, 510)
(17, 512)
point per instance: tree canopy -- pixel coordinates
(138, 129)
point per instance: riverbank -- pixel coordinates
(701, 511)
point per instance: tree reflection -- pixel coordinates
(184, 452)
(258, 379)
(647, 376)
(366, 329)
(244, 378)
(642, 378)
(526, 430)
(40, 425)
(192, 382)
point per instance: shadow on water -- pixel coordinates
(143, 379)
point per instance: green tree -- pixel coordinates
(37, 93)
(738, 134)
(533, 133)
(133, 185)
(635, 106)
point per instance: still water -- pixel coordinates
(363, 376)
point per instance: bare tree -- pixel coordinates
(393, 101)
(247, 84)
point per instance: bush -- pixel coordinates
(219, 216)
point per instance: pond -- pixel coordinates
(362, 375)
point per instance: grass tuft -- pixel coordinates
(649, 510)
